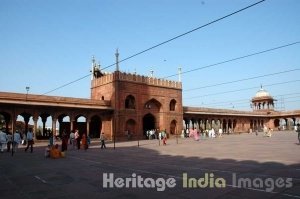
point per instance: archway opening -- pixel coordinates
(130, 128)
(64, 124)
(95, 127)
(148, 123)
(80, 124)
(173, 127)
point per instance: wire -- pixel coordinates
(162, 43)
(186, 33)
(242, 89)
(240, 80)
(64, 85)
(235, 102)
(235, 59)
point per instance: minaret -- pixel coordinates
(93, 67)
(117, 60)
(179, 74)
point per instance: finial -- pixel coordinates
(151, 72)
(93, 60)
(93, 67)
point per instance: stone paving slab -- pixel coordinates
(80, 173)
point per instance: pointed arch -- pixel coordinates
(173, 129)
(130, 126)
(130, 102)
(153, 104)
(172, 105)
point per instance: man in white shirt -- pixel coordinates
(29, 140)
(102, 139)
(17, 140)
(72, 139)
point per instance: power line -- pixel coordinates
(237, 58)
(162, 43)
(243, 89)
(235, 102)
(244, 79)
(64, 85)
(186, 33)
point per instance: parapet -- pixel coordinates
(128, 77)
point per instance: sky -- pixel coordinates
(46, 44)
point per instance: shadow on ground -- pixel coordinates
(80, 175)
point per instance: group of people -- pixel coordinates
(76, 140)
(9, 141)
(211, 133)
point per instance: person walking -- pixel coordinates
(102, 139)
(164, 140)
(9, 141)
(77, 138)
(298, 131)
(72, 139)
(3, 140)
(16, 141)
(30, 142)
(84, 142)
(64, 142)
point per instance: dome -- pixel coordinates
(262, 93)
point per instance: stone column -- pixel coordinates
(35, 119)
(60, 120)
(72, 120)
(87, 127)
(26, 120)
(44, 119)
(227, 126)
(13, 123)
(7, 121)
(54, 127)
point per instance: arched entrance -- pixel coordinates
(80, 124)
(173, 127)
(130, 126)
(4, 120)
(277, 123)
(95, 127)
(148, 122)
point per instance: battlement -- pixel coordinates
(121, 76)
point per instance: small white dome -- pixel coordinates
(262, 93)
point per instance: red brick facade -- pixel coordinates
(142, 102)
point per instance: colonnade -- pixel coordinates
(92, 125)
(228, 125)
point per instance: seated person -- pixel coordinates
(55, 152)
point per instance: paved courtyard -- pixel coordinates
(248, 166)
